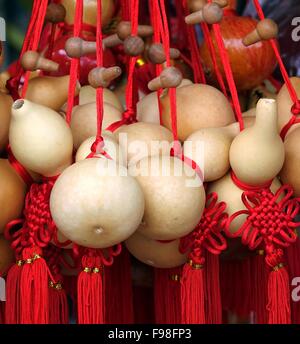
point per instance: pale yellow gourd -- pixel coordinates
(290, 173)
(111, 147)
(257, 153)
(87, 95)
(155, 253)
(89, 11)
(209, 148)
(285, 103)
(140, 140)
(94, 203)
(198, 106)
(228, 192)
(148, 108)
(50, 91)
(84, 120)
(174, 197)
(40, 139)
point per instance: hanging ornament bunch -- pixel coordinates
(121, 144)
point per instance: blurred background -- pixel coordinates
(16, 13)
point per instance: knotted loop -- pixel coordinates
(296, 108)
(207, 235)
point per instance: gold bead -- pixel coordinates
(96, 270)
(175, 278)
(87, 269)
(19, 262)
(279, 266)
(140, 62)
(36, 256)
(58, 286)
(196, 266)
(261, 252)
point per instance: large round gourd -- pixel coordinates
(96, 204)
(84, 120)
(155, 253)
(140, 139)
(174, 197)
(198, 106)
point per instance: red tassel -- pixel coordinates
(58, 304)
(260, 287)
(12, 309)
(34, 301)
(90, 292)
(167, 296)
(118, 291)
(279, 296)
(213, 292)
(192, 294)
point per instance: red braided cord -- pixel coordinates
(21, 171)
(296, 102)
(213, 55)
(51, 40)
(131, 107)
(228, 72)
(246, 187)
(199, 75)
(160, 12)
(36, 39)
(99, 94)
(125, 9)
(13, 83)
(229, 75)
(156, 39)
(74, 69)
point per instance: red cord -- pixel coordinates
(229, 75)
(160, 12)
(156, 39)
(99, 54)
(36, 39)
(21, 171)
(14, 83)
(213, 55)
(131, 88)
(296, 102)
(75, 62)
(199, 76)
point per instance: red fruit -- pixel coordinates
(250, 65)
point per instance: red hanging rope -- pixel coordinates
(292, 92)
(199, 76)
(14, 82)
(75, 62)
(213, 55)
(129, 115)
(156, 39)
(36, 39)
(26, 177)
(160, 9)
